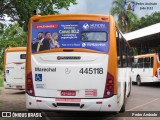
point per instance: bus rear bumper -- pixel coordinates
(19, 86)
(52, 104)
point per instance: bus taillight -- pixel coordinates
(109, 87)
(29, 85)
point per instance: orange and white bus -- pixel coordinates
(72, 63)
(146, 68)
(14, 67)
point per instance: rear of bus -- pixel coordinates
(14, 68)
(78, 75)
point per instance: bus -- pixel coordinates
(14, 68)
(146, 68)
(77, 62)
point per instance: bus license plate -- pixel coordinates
(68, 93)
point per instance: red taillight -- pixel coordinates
(104, 18)
(109, 87)
(38, 100)
(29, 85)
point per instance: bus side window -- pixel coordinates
(121, 50)
(124, 53)
(147, 62)
(131, 57)
(135, 63)
(151, 62)
(118, 49)
(140, 63)
(22, 56)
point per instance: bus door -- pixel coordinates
(140, 69)
(134, 69)
(148, 69)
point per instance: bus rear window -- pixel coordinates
(94, 37)
(83, 34)
(23, 56)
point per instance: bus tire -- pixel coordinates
(139, 81)
(123, 108)
(129, 89)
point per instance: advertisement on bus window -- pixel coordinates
(91, 35)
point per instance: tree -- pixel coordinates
(12, 36)
(22, 10)
(125, 18)
(147, 21)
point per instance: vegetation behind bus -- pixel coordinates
(1, 78)
(15, 35)
(24, 9)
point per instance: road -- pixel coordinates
(143, 98)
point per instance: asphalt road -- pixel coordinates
(143, 98)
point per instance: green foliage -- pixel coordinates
(126, 19)
(147, 21)
(12, 36)
(1, 80)
(22, 10)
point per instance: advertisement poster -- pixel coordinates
(91, 35)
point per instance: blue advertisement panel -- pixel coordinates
(70, 34)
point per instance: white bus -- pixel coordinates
(74, 65)
(14, 68)
(146, 68)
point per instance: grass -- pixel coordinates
(1, 81)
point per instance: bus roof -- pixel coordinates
(97, 17)
(15, 49)
(145, 55)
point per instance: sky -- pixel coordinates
(104, 7)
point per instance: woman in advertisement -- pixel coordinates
(54, 43)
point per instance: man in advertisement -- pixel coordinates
(43, 44)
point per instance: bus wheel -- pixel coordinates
(139, 81)
(124, 102)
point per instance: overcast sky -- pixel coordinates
(104, 7)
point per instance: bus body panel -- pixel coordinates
(124, 83)
(40, 103)
(14, 70)
(67, 74)
(146, 74)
